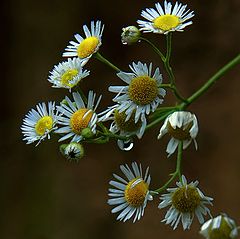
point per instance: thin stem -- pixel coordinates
(179, 160)
(154, 48)
(177, 171)
(169, 69)
(211, 81)
(105, 61)
(167, 61)
(156, 121)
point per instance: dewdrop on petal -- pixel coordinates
(130, 35)
(72, 152)
(220, 227)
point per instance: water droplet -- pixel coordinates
(125, 145)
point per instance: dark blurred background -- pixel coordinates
(45, 197)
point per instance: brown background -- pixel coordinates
(45, 197)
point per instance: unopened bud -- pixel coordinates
(87, 133)
(130, 35)
(72, 151)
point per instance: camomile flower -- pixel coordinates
(141, 95)
(220, 227)
(77, 116)
(182, 126)
(86, 46)
(120, 124)
(67, 74)
(131, 194)
(185, 201)
(38, 124)
(164, 20)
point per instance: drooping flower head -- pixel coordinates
(130, 195)
(67, 74)
(182, 126)
(220, 227)
(120, 124)
(165, 19)
(38, 124)
(185, 201)
(84, 48)
(141, 95)
(77, 116)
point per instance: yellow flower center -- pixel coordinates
(43, 124)
(179, 133)
(127, 126)
(80, 120)
(135, 192)
(223, 232)
(87, 47)
(186, 199)
(143, 90)
(166, 22)
(68, 76)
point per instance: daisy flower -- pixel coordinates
(84, 48)
(182, 126)
(167, 19)
(67, 74)
(130, 195)
(38, 124)
(77, 116)
(120, 124)
(143, 93)
(220, 227)
(185, 200)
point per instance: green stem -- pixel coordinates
(167, 61)
(156, 121)
(211, 81)
(169, 69)
(105, 61)
(154, 48)
(177, 171)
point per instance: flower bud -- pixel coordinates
(87, 133)
(130, 35)
(220, 227)
(72, 152)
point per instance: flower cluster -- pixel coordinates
(138, 105)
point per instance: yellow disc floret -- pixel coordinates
(143, 90)
(135, 192)
(166, 22)
(87, 47)
(179, 133)
(186, 199)
(80, 120)
(127, 126)
(44, 124)
(68, 76)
